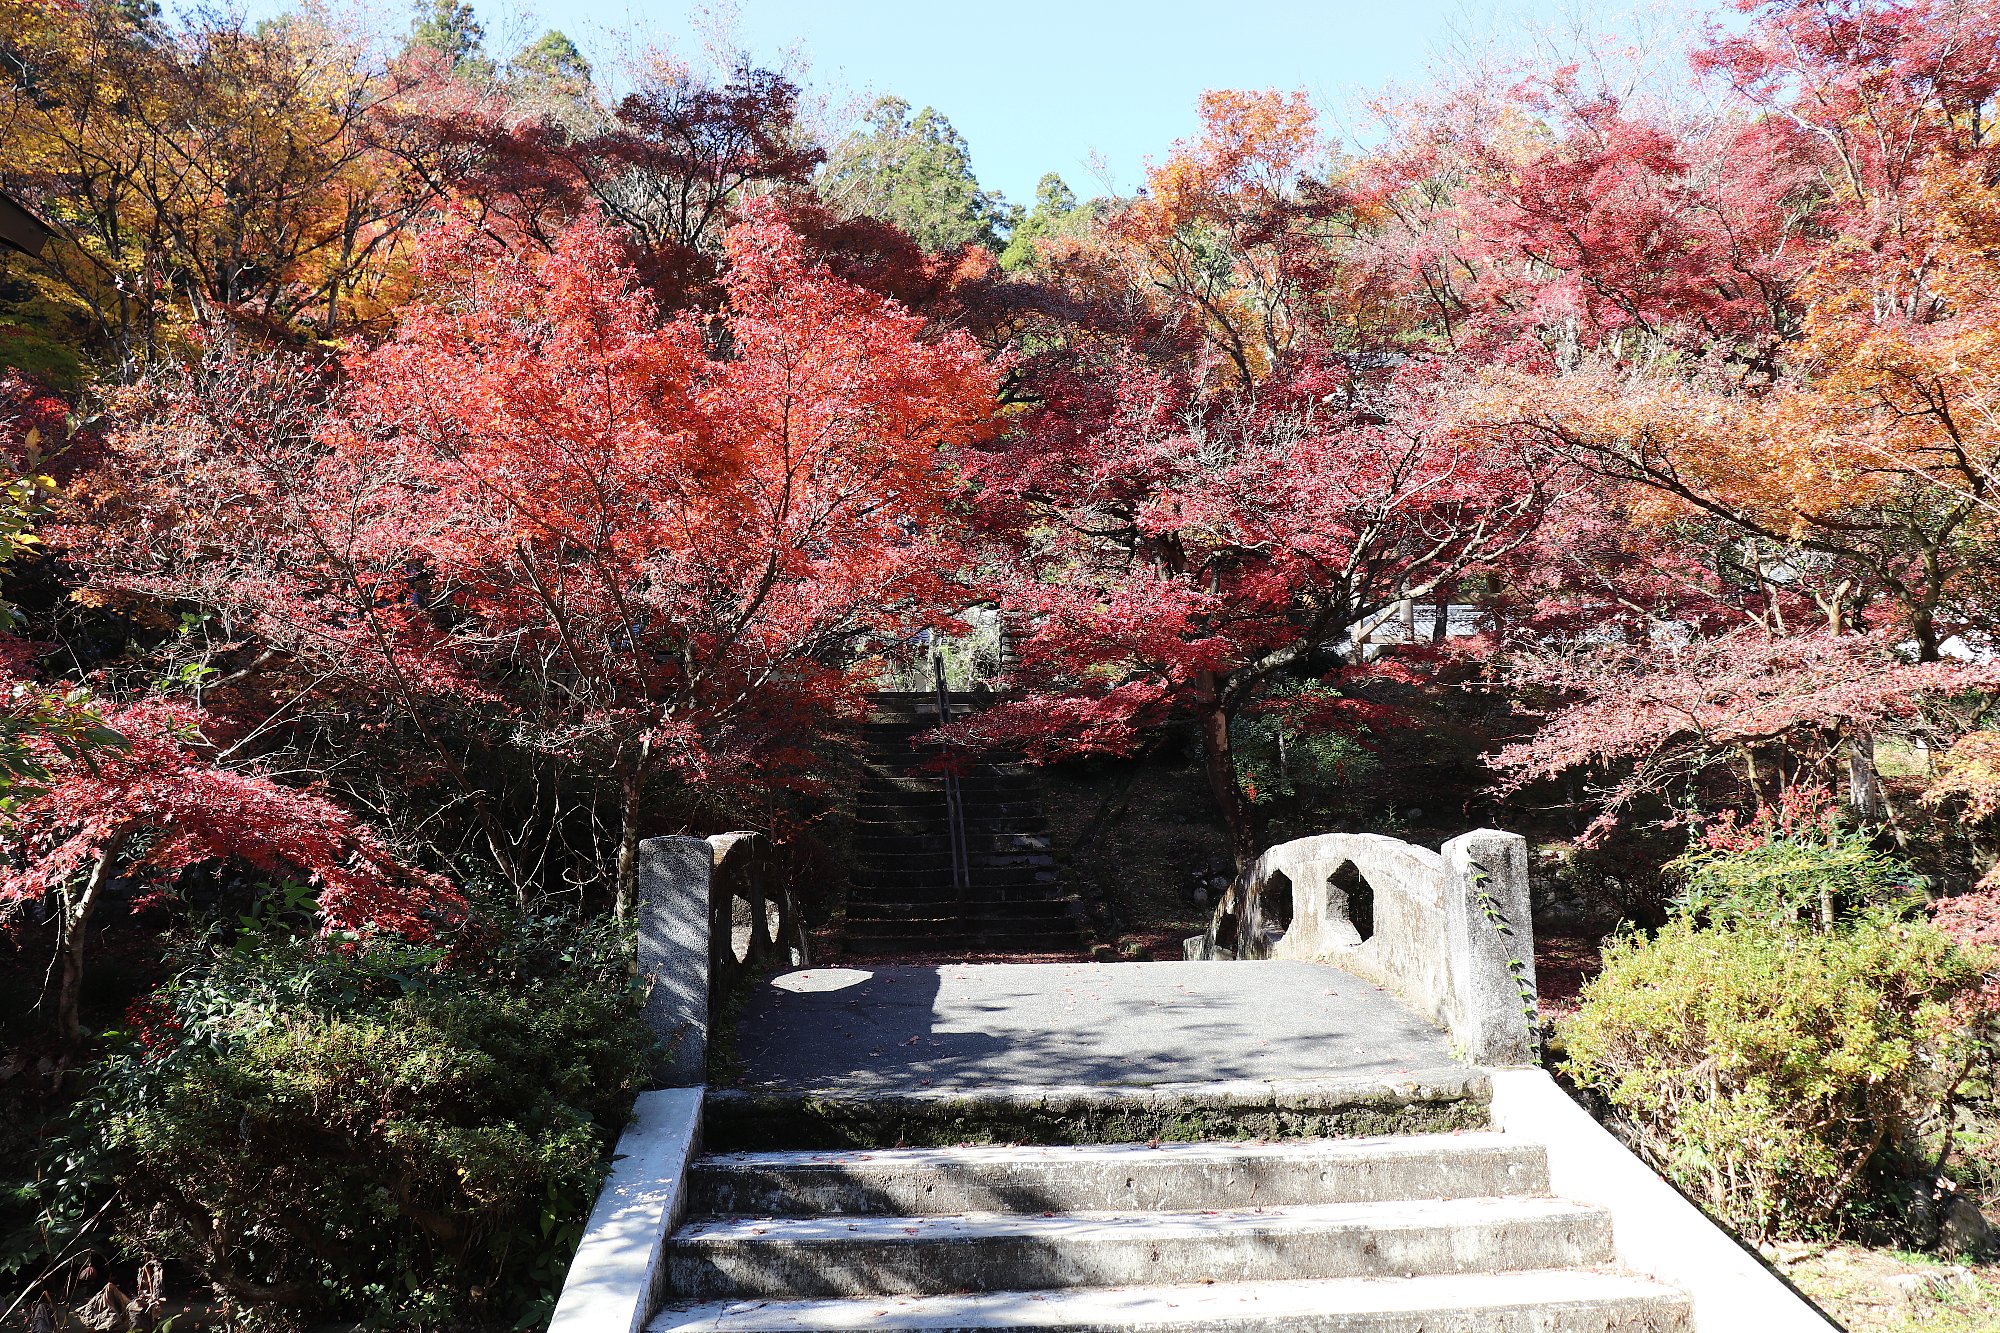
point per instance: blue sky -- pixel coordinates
(1051, 85)
(1047, 85)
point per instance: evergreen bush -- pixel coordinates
(1773, 1074)
(368, 1130)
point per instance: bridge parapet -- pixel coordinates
(1449, 932)
(709, 918)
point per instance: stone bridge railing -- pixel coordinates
(1448, 932)
(709, 917)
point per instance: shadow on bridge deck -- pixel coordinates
(1110, 1025)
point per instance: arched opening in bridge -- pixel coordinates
(1225, 932)
(1360, 895)
(1274, 907)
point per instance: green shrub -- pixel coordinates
(1814, 877)
(1768, 1073)
(367, 1130)
(1289, 751)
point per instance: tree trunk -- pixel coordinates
(1864, 782)
(630, 787)
(1219, 761)
(73, 925)
(631, 792)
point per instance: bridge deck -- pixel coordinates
(1118, 1025)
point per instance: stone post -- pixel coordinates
(1490, 939)
(675, 878)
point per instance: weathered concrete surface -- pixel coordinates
(615, 1281)
(1657, 1232)
(911, 1182)
(1038, 1025)
(840, 1256)
(1175, 1112)
(1537, 1302)
(675, 891)
(1083, 1053)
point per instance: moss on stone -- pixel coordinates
(739, 1120)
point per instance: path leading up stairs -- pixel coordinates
(902, 898)
(1123, 1147)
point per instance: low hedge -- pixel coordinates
(366, 1130)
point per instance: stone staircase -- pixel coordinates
(1412, 1234)
(902, 898)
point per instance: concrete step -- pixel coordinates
(901, 801)
(930, 786)
(936, 889)
(1117, 1177)
(861, 942)
(1587, 1301)
(960, 933)
(919, 857)
(1443, 1100)
(901, 808)
(928, 1256)
(930, 823)
(868, 839)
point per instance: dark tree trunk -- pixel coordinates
(73, 933)
(1864, 781)
(1219, 762)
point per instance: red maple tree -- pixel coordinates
(146, 798)
(643, 545)
(1658, 718)
(1173, 554)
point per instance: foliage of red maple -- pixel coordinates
(144, 798)
(156, 803)
(1172, 553)
(646, 542)
(1658, 718)
(667, 167)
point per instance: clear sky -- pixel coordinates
(1052, 85)
(1055, 85)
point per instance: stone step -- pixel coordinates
(936, 887)
(937, 891)
(1446, 1099)
(1588, 1301)
(887, 878)
(938, 844)
(989, 825)
(937, 938)
(1117, 1177)
(975, 915)
(915, 795)
(924, 782)
(917, 930)
(899, 806)
(887, 867)
(915, 855)
(920, 871)
(933, 1256)
(929, 823)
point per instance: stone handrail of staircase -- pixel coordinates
(1447, 932)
